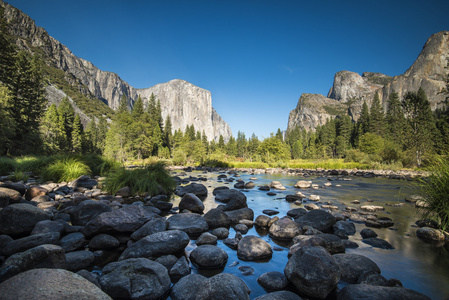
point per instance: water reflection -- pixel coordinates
(420, 266)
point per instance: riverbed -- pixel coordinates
(418, 265)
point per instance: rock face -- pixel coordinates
(186, 103)
(350, 90)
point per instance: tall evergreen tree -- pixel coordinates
(376, 117)
(395, 119)
(77, 135)
(138, 108)
(50, 130)
(241, 144)
(168, 135)
(7, 125)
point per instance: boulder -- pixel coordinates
(262, 221)
(168, 261)
(352, 266)
(249, 185)
(17, 186)
(155, 224)
(35, 191)
(273, 281)
(332, 243)
(277, 185)
(284, 229)
(240, 214)
(50, 284)
(72, 242)
(9, 196)
(219, 188)
(206, 238)
(343, 229)
(208, 257)
(373, 278)
(270, 212)
(430, 234)
(135, 278)
(180, 269)
(242, 228)
(29, 242)
(44, 256)
(240, 184)
(223, 286)
(86, 211)
(192, 224)
(318, 219)
(302, 184)
(378, 243)
(103, 241)
(84, 181)
(217, 218)
(157, 244)
(226, 195)
(20, 218)
(253, 248)
(198, 189)
(313, 271)
(79, 260)
(192, 203)
(221, 233)
(279, 295)
(47, 226)
(368, 233)
(365, 291)
(237, 201)
(127, 219)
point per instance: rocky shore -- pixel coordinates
(73, 240)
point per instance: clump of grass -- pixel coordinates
(152, 179)
(435, 191)
(18, 175)
(7, 165)
(99, 165)
(65, 169)
(33, 163)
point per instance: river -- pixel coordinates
(418, 265)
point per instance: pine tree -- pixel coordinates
(66, 115)
(221, 143)
(376, 117)
(395, 119)
(168, 135)
(77, 135)
(231, 147)
(7, 125)
(50, 131)
(241, 144)
(205, 142)
(138, 108)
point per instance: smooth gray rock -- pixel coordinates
(252, 247)
(217, 218)
(368, 233)
(86, 211)
(208, 257)
(9, 196)
(279, 295)
(352, 266)
(44, 256)
(273, 281)
(343, 229)
(313, 271)
(206, 238)
(221, 233)
(168, 261)
(50, 284)
(103, 241)
(72, 242)
(155, 224)
(192, 203)
(318, 219)
(20, 218)
(31, 241)
(180, 269)
(197, 189)
(240, 214)
(135, 278)
(192, 224)
(157, 244)
(84, 181)
(365, 291)
(378, 243)
(430, 234)
(78, 260)
(262, 221)
(226, 195)
(284, 229)
(296, 212)
(47, 226)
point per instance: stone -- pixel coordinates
(279, 295)
(428, 234)
(414, 198)
(79, 260)
(302, 184)
(277, 185)
(180, 269)
(93, 278)
(240, 214)
(368, 233)
(270, 212)
(262, 221)
(223, 286)
(192, 203)
(168, 261)
(246, 270)
(373, 278)
(318, 219)
(232, 243)
(208, 257)
(315, 198)
(35, 191)
(352, 266)
(217, 189)
(163, 205)
(273, 281)
(47, 226)
(311, 206)
(293, 198)
(157, 244)
(72, 242)
(86, 211)
(249, 185)
(29, 242)
(313, 271)
(192, 224)
(103, 241)
(197, 189)
(127, 219)
(239, 184)
(135, 278)
(50, 284)
(206, 238)
(378, 243)
(9, 196)
(20, 218)
(17, 186)
(241, 228)
(44, 256)
(155, 224)
(252, 247)
(343, 229)
(217, 218)
(296, 212)
(264, 188)
(284, 229)
(365, 291)
(226, 195)
(221, 233)
(84, 181)
(272, 220)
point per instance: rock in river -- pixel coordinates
(253, 248)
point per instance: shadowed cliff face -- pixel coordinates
(185, 103)
(350, 89)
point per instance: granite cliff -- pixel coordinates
(350, 90)
(185, 103)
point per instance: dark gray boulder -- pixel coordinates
(378, 243)
(313, 271)
(84, 181)
(180, 269)
(431, 235)
(157, 244)
(103, 241)
(127, 219)
(192, 203)
(92, 277)
(87, 210)
(44, 256)
(284, 229)
(217, 218)
(135, 278)
(273, 281)
(365, 291)
(20, 218)
(17, 186)
(198, 189)
(262, 221)
(221, 233)
(240, 214)
(192, 224)
(332, 243)
(226, 195)
(318, 219)
(352, 266)
(50, 284)
(279, 295)
(168, 261)
(29, 242)
(47, 226)
(187, 287)
(78, 260)
(219, 188)
(9, 196)
(155, 224)
(208, 257)
(206, 238)
(373, 278)
(343, 229)
(368, 233)
(72, 242)
(252, 247)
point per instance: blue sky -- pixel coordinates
(256, 57)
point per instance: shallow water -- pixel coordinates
(418, 265)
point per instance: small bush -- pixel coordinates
(435, 191)
(65, 169)
(7, 165)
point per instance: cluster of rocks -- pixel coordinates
(54, 237)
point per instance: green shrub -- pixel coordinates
(151, 179)
(435, 191)
(7, 165)
(65, 169)
(18, 175)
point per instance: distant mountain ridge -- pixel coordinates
(350, 90)
(186, 103)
